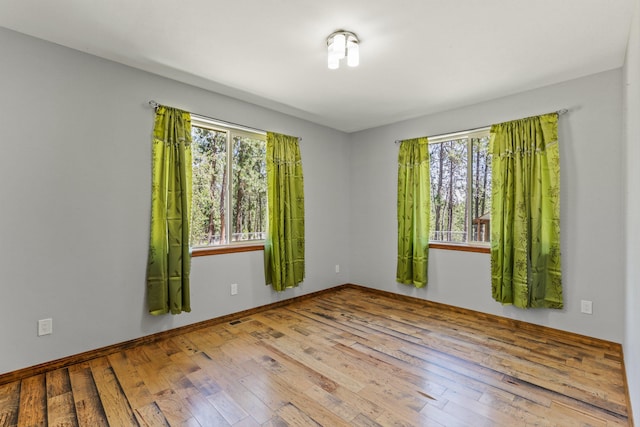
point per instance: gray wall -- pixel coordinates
(75, 201)
(632, 134)
(591, 207)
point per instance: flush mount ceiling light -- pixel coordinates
(340, 44)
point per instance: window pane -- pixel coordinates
(481, 189)
(448, 164)
(249, 189)
(209, 183)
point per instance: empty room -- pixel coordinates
(359, 213)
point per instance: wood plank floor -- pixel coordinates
(346, 358)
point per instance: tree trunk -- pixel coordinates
(212, 187)
(477, 194)
(450, 200)
(484, 184)
(223, 227)
(438, 199)
(239, 210)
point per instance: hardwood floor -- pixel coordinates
(352, 357)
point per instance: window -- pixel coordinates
(229, 202)
(460, 187)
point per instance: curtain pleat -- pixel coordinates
(413, 212)
(169, 259)
(284, 247)
(525, 213)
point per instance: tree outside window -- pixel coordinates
(229, 186)
(460, 187)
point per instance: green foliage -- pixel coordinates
(209, 175)
(249, 198)
(448, 161)
(451, 187)
(247, 192)
(481, 181)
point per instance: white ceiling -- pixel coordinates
(416, 56)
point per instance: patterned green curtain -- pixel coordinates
(284, 246)
(413, 212)
(169, 253)
(525, 213)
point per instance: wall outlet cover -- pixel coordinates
(45, 327)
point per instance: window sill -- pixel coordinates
(226, 250)
(198, 252)
(460, 247)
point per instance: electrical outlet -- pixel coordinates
(45, 327)
(337, 268)
(586, 307)
(234, 289)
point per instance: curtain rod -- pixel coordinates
(443, 135)
(155, 105)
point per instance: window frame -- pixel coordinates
(231, 130)
(468, 245)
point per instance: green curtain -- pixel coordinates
(414, 206)
(169, 253)
(525, 213)
(284, 246)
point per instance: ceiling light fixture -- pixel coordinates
(340, 44)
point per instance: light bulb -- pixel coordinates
(332, 61)
(338, 45)
(353, 53)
